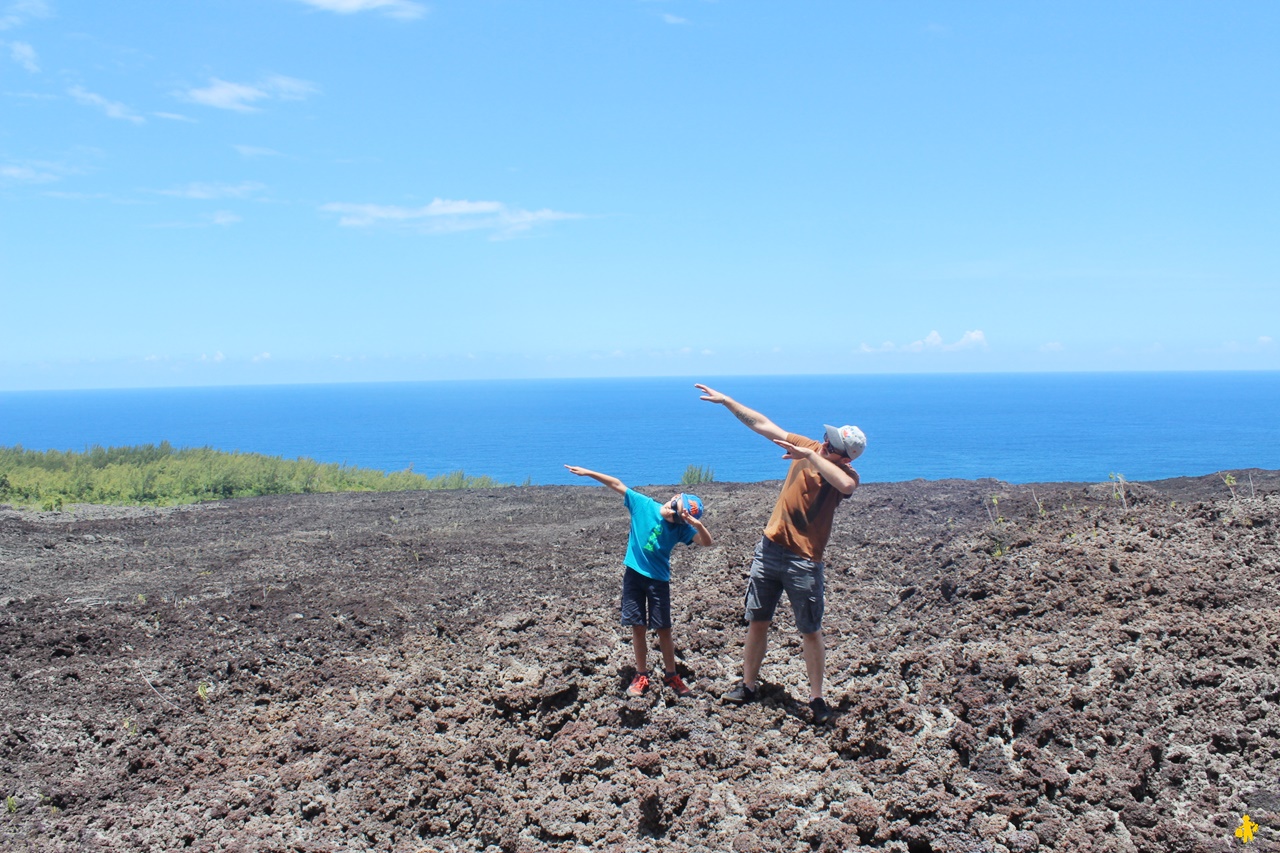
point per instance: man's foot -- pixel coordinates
(639, 684)
(677, 686)
(821, 711)
(740, 695)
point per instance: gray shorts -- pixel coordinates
(774, 569)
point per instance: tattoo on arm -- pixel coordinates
(746, 418)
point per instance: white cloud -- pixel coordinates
(254, 151)
(931, 342)
(969, 340)
(1052, 346)
(212, 191)
(225, 217)
(216, 357)
(25, 55)
(175, 117)
(403, 9)
(17, 13)
(28, 174)
(113, 109)
(266, 356)
(241, 97)
(443, 216)
(1265, 341)
(674, 19)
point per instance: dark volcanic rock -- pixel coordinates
(1058, 667)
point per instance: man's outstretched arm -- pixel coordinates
(612, 482)
(755, 421)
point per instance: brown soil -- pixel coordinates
(444, 671)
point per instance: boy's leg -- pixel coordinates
(668, 651)
(640, 645)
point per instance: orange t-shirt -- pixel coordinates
(801, 520)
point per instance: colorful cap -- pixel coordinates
(692, 504)
(848, 440)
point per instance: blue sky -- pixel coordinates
(265, 191)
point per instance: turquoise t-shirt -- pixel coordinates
(651, 540)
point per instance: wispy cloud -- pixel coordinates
(25, 55)
(113, 109)
(203, 191)
(674, 19)
(225, 217)
(932, 342)
(18, 12)
(241, 97)
(252, 151)
(443, 216)
(30, 173)
(175, 117)
(402, 9)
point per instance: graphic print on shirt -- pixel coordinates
(651, 545)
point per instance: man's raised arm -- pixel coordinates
(754, 420)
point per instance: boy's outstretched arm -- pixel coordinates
(612, 482)
(754, 420)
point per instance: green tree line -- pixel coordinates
(161, 475)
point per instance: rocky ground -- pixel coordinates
(1058, 667)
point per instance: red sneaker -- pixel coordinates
(639, 684)
(677, 686)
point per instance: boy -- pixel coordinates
(646, 579)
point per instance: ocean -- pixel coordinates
(1014, 427)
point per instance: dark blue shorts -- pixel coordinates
(645, 601)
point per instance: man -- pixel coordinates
(789, 555)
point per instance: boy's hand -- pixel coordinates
(574, 469)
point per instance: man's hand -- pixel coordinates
(581, 472)
(754, 421)
(795, 451)
(711, 395)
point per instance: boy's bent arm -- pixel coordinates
(701, 535)
(612, 482)
(754, 421)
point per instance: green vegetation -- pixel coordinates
(159, 475)
(695, 474)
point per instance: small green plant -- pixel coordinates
(695, 474)
(130, 727)
(202, 690)
(1118, 490)
(1039, 506)
(11, 803)
(142, 599)
(1229, 480)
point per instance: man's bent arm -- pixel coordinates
(754, 421)
(834, 474)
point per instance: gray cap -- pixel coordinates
(848, 440)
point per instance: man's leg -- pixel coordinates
(753, 653)
(815, 661)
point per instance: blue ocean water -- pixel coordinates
(1014, 427)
